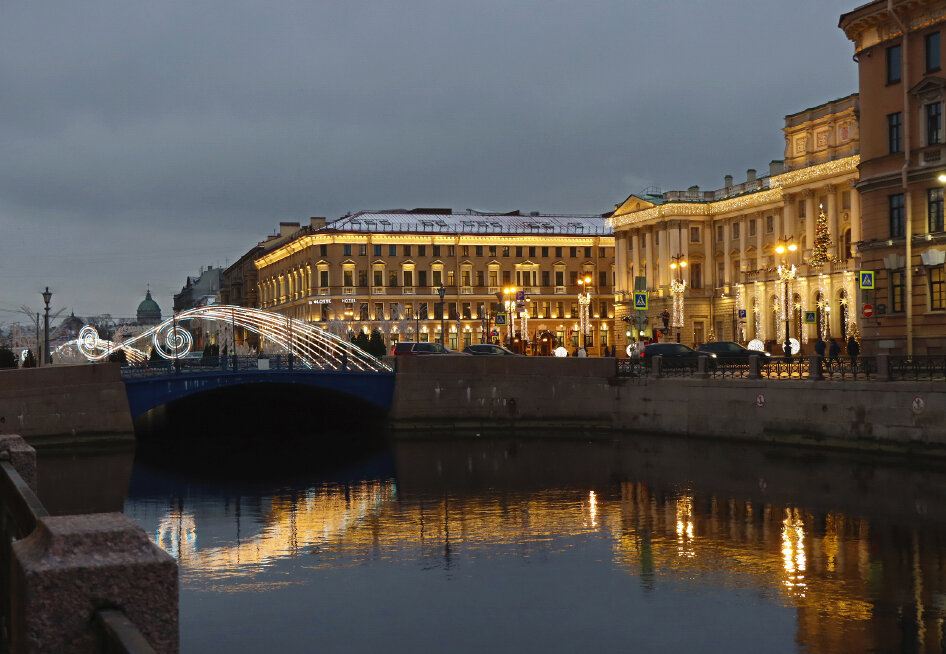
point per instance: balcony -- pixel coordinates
(466, 290)
(348, 290)
(495, 289)
(407, 290)
(559, 290)
(378, 290)
(324, 290)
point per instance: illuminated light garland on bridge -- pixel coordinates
(312, 346)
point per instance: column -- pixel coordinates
(663, 261)
(855, 217)
(760, 240)
(636, 268)
(727, 245)
(811, 217)
(743, 239)
(832, 211)
(651, 259)
(790, 220)
(620, 263)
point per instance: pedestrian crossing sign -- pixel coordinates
(811, 317)
(867, 279)
(501, 318)
(640, 301)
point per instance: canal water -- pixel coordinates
(540, 544)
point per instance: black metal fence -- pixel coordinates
(917, 368)
(827, 368)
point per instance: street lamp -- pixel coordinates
(349, 314)
(47, 296)
(584, 303)
(786, 273)
(509, 306)
(441, 292)
(677, 287)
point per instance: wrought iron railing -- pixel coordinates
(841, 368)
(917, 368)
(785, 368)
(633, 367)
(729, 367)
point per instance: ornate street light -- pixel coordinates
(677, 287)
(47, 296)
(584, 304)
(509, 305)
(786, 273)
(441, 291)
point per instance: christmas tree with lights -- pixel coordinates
(819, 251)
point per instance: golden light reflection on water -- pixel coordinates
(821, 565)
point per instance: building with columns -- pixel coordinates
(897, 47)
(712, 259)
(384, 270)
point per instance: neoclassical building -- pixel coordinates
(729, 239)
(384, 270)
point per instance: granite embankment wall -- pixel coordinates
(61, 403)
(436, 393)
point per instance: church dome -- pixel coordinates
(149, 313)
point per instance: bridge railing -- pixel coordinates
(231, 363)
(77, 583)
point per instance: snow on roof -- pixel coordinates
(471, 223)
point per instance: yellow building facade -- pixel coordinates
(713, 260)
(384, 270)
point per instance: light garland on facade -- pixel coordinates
(313, 346)
(584, 302)
(758, 303)
(677, 288)
(741, 309)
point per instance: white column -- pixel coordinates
(855, 217)
(791, 226)
(651, 259)
(620, 263)
(760, 240)
(636, 268)
(811, 217)
(743, 239)
(727, 245)
(664, 258)
(832, 211)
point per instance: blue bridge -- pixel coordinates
(152, 386)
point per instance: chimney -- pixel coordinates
(287, 229)
(317, 222)
(727, 180)
(776, 167)
(750, 175)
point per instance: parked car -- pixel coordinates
(416, 348)
(489, 349)
(729, 350)
(674, 354)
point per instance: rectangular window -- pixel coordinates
(587, 253)
(363, 311)
(604, 309)
(438, 310)
(558, 252)
(573, 252)
(436, 277)
(409, 310)
(937, 289)
(479, 250)
(896, 214)
(392, 250)
(422, 278)
(696, 275)
(362, 250)
(721, 273)
(735, 230)
(494, 278)
(934, 123)
(422, 311)
(694, 235)
(465, 251)
(379, 278)
(893, 64)
(507, 277)
(573, 277)
(324, 312)
(451, 278)
(545, 252)
(480, 309)
(480, 278)
(323, 250)
(407, 250)
(573, 307)
(392, 278)
(532, 252)
(467, 314)
(452, 311)
(379, 311)
(451, 251)
(769, 224)
(932, 52)
(362, 277)
(436, 250)
(505, 250)
(346, 250)
(348, 277)
(602, 278)
(894, 133)
(395, 311)
(408, 278)
(519, 252)
(377, 250)
(934, 204)
(546, 278)
(897, 286)
(492, 250)
(422, 250)
(752, 227)
(559, 277)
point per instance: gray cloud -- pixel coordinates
(142, 141)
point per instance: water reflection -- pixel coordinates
(851, 564)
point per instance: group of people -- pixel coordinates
(582, 351)
(834, 350)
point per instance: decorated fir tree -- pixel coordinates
(819, 250)
(855, 333)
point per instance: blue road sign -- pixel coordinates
(811, 317)
(500, 318)
(520, 296)
(742, 313)
(867, 279)
(640, 301)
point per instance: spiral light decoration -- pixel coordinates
(312, 346)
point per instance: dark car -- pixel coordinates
(674, 354)
(489, 349)
(729, 350)
(412, 348)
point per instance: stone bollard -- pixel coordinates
(70, 567)
(883, 367)
(22, 455)
(754, 372)
(701, 371)
(814, 367)
(656, 364)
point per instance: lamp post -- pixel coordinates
(349, 313)
(47, 296)
(509, 306)
(441, 291)
(677, 287)
(786, 273)
(584, 303)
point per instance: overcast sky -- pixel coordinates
(140, 141)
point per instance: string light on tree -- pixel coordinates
(823, 243)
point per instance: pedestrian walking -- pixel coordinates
(853, 349)
(820, 347)
(833, 351)
(583, 352)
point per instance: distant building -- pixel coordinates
(199, 291)
(149, 313)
